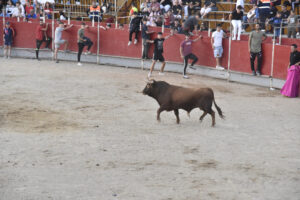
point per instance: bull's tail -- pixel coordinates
(219, 110)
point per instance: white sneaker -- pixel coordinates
(185, 76)
(135, 41)
(8, 57)
(79, 64)
(129, 43)
(219, 67)
(161, 73)
(243, 30)
(87, 53)
(233, 38)
(239, 39)
(149, 74)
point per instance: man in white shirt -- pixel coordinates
(18, 11)
(216, 42)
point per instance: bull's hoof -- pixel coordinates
(177, 122)
(158, 119)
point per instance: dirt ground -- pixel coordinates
(69, 132)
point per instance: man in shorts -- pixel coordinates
(58, 39)
(158, 53)
(8, 35)
(186, 53)
(216, 43)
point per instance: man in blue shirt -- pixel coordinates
(8, 34)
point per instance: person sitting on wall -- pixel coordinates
(209, 5)
(94, 12)
(134, 27)
(177, 9)
(169, 19)
(291, 86)
(48, 10)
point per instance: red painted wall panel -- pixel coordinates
(114, 42)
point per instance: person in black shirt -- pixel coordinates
(158, 53)
(165, 4)
(134, 28)
(236, 19)
(294, 56)
(284, 12)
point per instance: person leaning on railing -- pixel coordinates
(292, 24)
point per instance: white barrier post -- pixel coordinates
(53, 46)
(93, 21)
(4, 15)
(98, 40)
(272, 63)
(208, 32)
(229, 54)
(116, 15)
(280, 33)
(69, 17)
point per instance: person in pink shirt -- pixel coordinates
(186, 53)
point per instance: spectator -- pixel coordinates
(158, 53)
(216, 43)
(8, 35)
(252, 16)
(28, 8)
(273, 11)
(18, 11)
(146, 38)
(134, 27)
(276, 3)
(185, 5)
(209, 5)
(58, 41)
(154, 16)
(191, 24)
(48, 10)
(1, 8)
(41, 36)
(239, 3)
(155, 6)
(264, 11)
(94, 12)
(284, 12)
(31, 15)
(165, 5)
(276, 22)
(121, 26)
(62, 16)
(292, 24)
(292, 3)
(254, 44)
(177, 9)
(177, 27)
(145, 7)
(291, 86)
(186, 53)
(23, 2)
(169, 19)
(9, 8)
(236, 20)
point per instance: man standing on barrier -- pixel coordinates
(41, 36)
(58, 40)
(254, 45)
(84, 41)
(186, 53)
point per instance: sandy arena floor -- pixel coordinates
(69, 132)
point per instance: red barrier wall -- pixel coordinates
(114, 42)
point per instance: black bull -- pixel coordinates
(171, 97)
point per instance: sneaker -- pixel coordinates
(135, 41)
(79, 64)
(129, 43)
(149, 74)
(219, 67)
(186, 77)
(243, 30)
(191, 67)
(239, 39)
(87, 53)
(233, 38)
(253, 73)
(258, 73)
(161, 73)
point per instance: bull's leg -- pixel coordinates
(212, 113)
(203, 115)
(177, 116)
(158, 113)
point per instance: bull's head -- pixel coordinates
(149, 87)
